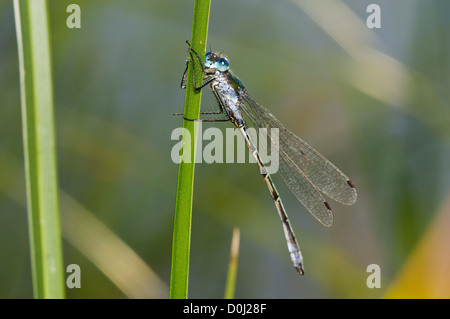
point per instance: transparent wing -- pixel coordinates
(304, 190)
(301, 166)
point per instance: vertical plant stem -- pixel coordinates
(36, 83)
(232, 266)
(183, 207)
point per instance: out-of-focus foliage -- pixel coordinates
(425, 273)
(375, 102)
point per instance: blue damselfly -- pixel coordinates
(306, 172)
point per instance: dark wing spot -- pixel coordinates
(349, 182)
(327, 205)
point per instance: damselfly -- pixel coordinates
(306, 172)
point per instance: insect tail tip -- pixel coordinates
(300, 270)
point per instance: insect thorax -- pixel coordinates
(229, 96)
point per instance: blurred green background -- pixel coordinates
(373, 101)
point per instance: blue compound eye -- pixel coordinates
(222, 64)
(207, 56)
